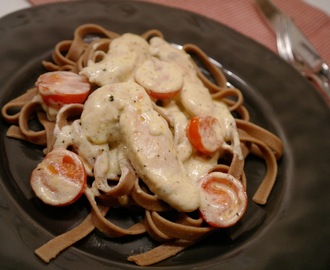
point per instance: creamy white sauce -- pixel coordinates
(178, 121)
(159, 76)
(125, 55)
(51, 112)
(164, 51)
(194, 96)
(155, 158)
(120, 121)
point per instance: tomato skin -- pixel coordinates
(223, 199)
(160, 79)
(60, 178)
(160, 96)
(204, 134)
(61, 99)
(58, 88)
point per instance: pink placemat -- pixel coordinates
(243, 16)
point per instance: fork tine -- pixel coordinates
(283, 39)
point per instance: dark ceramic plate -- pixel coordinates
(291, 232)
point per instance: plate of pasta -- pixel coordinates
(129, 140)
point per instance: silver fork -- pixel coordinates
(284, 46)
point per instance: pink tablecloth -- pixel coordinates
(243, 16)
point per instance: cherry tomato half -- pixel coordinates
(161, 80)
(223, 199)
(204, 134)
(60, 178)
(58, 88)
